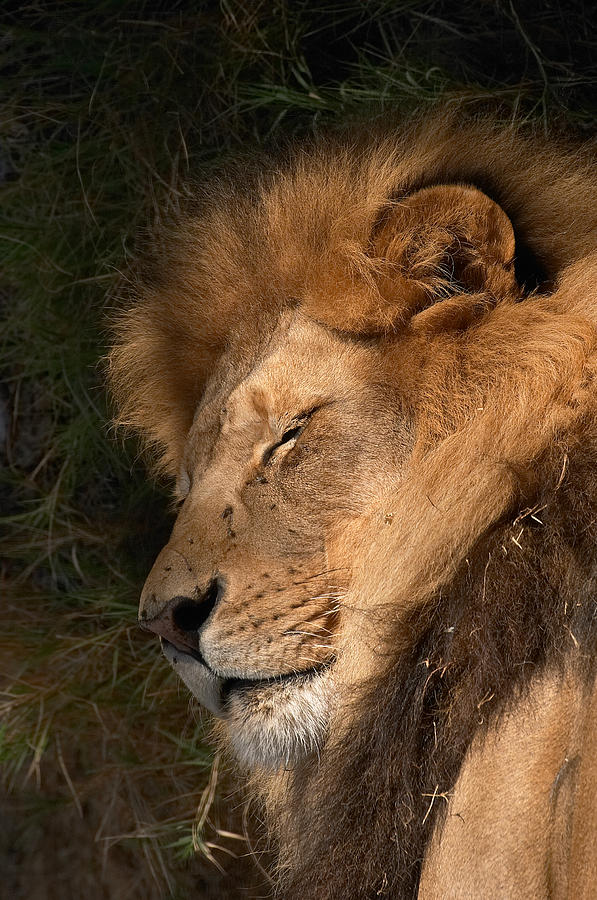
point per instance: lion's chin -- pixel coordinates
(273, 724)
(270, 723)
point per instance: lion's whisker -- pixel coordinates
(322, 574)
(306, 633)
(320, 628)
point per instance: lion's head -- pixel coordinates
(275, 465)
(348, 373)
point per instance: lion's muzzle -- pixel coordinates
(201, 681)
(173, 607)
(179, 620)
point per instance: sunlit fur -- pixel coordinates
(466, 639)
(281, 725)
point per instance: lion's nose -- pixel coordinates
(180, 620)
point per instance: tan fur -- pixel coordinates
(510, 821)
(368, 370)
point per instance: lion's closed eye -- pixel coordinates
(285, 444)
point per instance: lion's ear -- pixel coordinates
(446, 240)
(441, 242)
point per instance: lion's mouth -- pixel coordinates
(217, 693)
(245, 685)
(271, 721)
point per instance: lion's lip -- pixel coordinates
(242, 684)
(213, 691)
(186, 651)
(204, 684)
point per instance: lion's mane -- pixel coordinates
(501, 565)
(360, 823)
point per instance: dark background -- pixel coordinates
(108, 111)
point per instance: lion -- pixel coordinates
(369, 367)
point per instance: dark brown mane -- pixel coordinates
(522, 603)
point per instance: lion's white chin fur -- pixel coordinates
(269, 724)
(272, 726)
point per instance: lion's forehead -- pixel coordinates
(304, 359)
(304, 365)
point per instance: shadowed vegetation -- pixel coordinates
(107, 109)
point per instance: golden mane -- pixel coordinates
(300, 232)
